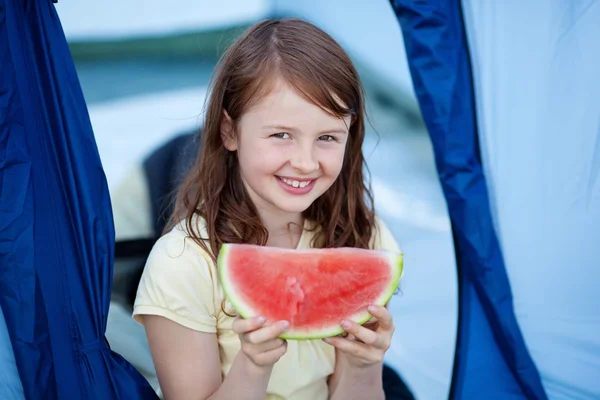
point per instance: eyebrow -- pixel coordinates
(290, 129)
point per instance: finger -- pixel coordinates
(384, 317)
(356, 349)
(363, 334)
(241, 325)
(267, 346)
(374, 325)
(271, 356)
(267, 333)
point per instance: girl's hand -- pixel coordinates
(366, 345)
(260, 343)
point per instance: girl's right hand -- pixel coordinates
(260, 343)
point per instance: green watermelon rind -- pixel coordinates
(396, 261)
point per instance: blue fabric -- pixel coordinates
(491, 360)
(56, 230)
(539, 129)
(10, 383)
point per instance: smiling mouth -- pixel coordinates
(295, 183)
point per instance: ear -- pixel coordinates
(228, 132)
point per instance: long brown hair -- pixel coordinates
(311, 62)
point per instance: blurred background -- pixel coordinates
(144, 68)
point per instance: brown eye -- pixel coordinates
(281, 135)
(327, 138)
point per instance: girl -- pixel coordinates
(281, 165)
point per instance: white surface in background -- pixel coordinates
(425, 311)
(118, 19)
(409, 207)
(128, 129)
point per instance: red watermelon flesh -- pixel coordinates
(313, 289)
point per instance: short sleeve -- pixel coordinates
(178, 283)
(383, 238)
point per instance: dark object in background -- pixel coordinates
(394, 387)
(164, 170)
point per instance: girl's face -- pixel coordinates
(290, 151)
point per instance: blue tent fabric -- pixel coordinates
(56, 229)
(539, 131)
(491, 359)
(10, 383)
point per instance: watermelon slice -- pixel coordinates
(313, 289)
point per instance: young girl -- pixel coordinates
(281, 165)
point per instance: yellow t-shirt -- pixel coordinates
(180, 282)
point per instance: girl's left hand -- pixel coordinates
(366, 345)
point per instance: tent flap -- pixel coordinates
(491, 360)
(539, 131)
(56, 234)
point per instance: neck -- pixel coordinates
(284, 230)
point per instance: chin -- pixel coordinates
(293, 207)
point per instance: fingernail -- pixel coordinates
(327, 340)
(372, 309)
(285, 325)
(261, 320)
(345, 324)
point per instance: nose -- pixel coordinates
(304, 159)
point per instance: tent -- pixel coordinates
(56, 233)
(510, 103)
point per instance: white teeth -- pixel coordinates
(295, 183)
